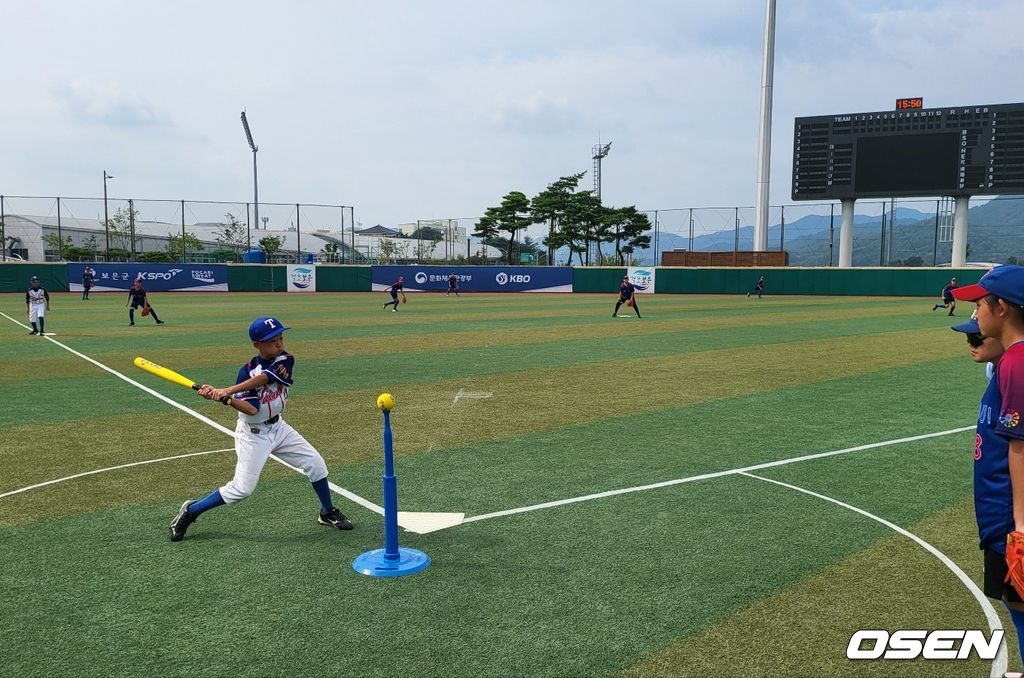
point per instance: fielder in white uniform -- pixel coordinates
(260, 394)
(37, 302)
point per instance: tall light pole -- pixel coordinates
(764, 131)
(106, 216)
(255, 184)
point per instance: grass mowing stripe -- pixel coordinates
(994, 623)
(720, 474)
(644, 447)
(552, 603)
(892, 584)
(111, 468)
(451, 457)
(386, 372)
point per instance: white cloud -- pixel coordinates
(418, 110)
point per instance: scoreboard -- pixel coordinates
(910, 152)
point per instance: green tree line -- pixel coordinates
(575, 219)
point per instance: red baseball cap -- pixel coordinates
(1006, 282)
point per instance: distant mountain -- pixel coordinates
(995, 233)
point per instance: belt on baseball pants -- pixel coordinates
(254, 428)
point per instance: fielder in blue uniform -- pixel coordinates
(999, 442)
(758, 288)
(137, 297)
(948, 299)
(260, 394)
(394, 289)
(453, 285)
(88, 278)
(37, 302)
(627, 292)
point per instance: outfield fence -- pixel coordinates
(873, 281)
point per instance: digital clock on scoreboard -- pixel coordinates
(909, 103)
(954, 151)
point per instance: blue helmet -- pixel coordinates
(265, 327)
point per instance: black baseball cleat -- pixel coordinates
(131, 324)
(181, 522)
(159, 322)
(335, 518)
(32, 333)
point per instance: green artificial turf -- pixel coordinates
(724, 576)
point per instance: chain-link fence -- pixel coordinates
(196, 231)
(886, 233)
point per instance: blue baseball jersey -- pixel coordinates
(395, 287)
(138, 296)
(87, 279)
(271, 398)
(626, 290)
(993, 499)
(947, 291)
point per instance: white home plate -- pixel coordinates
(422, 523)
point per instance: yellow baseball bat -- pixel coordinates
(171, 375)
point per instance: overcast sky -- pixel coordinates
(419, 110)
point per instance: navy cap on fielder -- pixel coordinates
(265, 327)
(35, 278)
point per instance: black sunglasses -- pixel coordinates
(975, 340)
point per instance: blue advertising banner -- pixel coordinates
(475, 278)
(155, 277)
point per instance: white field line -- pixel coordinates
(457, 396)
(111, 468)
(716, 474)
(994, 623)
(206, 420)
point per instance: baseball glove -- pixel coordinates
(629, 302)
(1015, 560)
(405, 299)
(145, 310)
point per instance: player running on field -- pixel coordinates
(999, 442)
(137, 297)
(395, 289)
(627, 294)
(758, 288)
(948, 300)
(37, 302)
(260, 394)
(453, 285)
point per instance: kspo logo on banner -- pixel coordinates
(154, 277)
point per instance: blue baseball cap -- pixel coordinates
(265, 327)
(969, 327)
(1006, 282)
(35, 278)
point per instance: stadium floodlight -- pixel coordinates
(255, 183)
